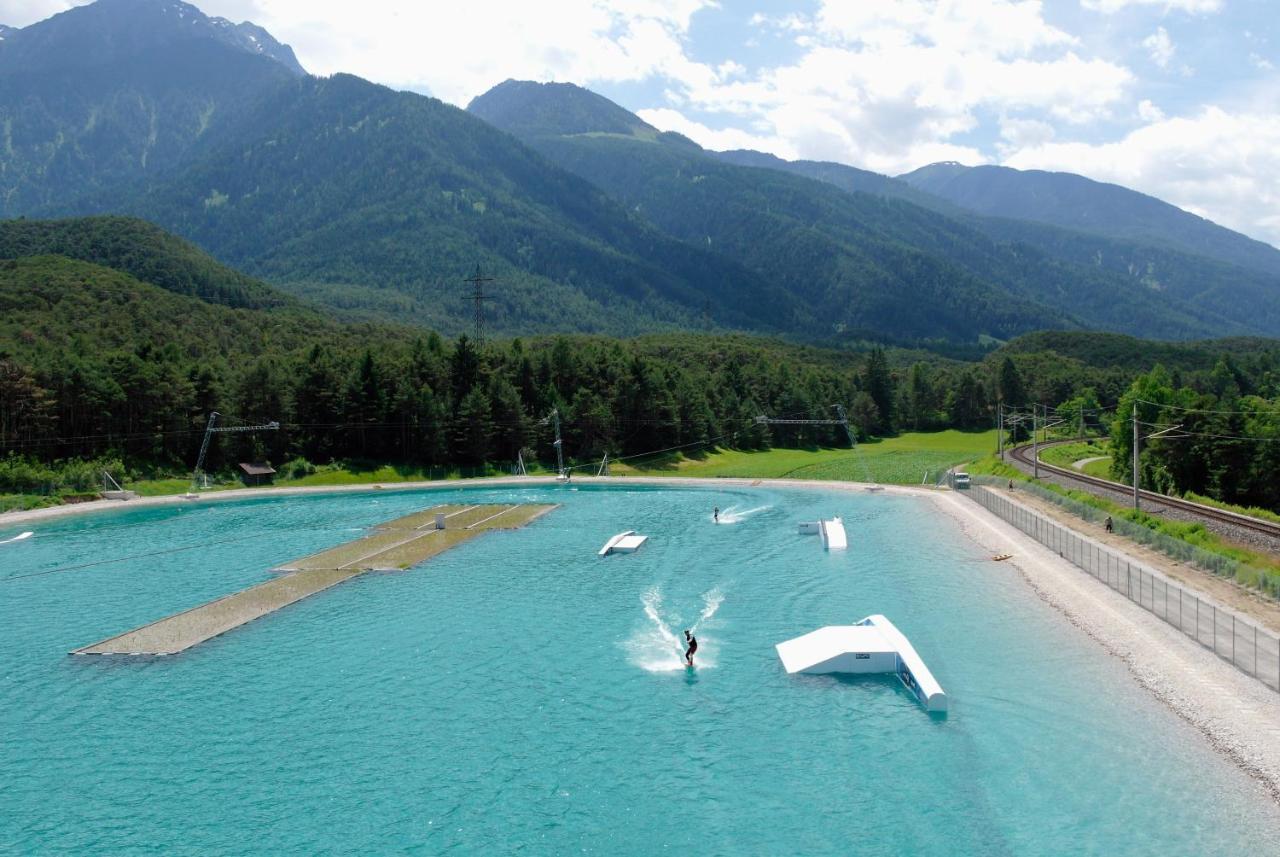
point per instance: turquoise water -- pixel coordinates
(518, 694)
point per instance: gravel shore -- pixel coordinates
(1237, 714)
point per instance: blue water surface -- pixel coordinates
(519, 694)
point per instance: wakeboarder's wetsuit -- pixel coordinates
(693, 647)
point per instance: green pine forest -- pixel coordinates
(119, 339)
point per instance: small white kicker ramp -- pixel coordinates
(833, 535)
(628, 542)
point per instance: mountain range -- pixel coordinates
(377, 204)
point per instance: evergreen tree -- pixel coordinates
(878, 383)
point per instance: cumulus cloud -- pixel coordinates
(886, 85)
(1195, 6)
(20, 13)
(1149, 112)
(1215, 163)
(1016, 134)
(456, 51)
(1159, 47)
(718, 139)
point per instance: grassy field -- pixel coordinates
(346, 474)
(1069, 453)
(906, 459)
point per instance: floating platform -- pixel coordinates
(393, 546)
(874, 645)
(833, 535)
(628, 542)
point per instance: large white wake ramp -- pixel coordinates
(874, 645)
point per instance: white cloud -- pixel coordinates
(1159, 47)
(1193, 6)
(20, 13)
(1218, 164)
(1149, 112)
(1017, 134)
(667, 119)
(884, 86)
(457, 51)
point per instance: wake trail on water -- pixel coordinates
(656, 647)
(731, 515)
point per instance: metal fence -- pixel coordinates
(1166, 544)
(1251, 649)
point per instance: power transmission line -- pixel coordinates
(478, 297)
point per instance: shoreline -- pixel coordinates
(99, 506)
(1236, 714)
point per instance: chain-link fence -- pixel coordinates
(1249, 648)
(1166, 544)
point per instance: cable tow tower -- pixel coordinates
(211, 428)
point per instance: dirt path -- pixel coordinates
(1082, 463)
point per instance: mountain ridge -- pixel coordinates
(1077, 202)
(854, 241)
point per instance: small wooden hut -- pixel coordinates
(258, 473)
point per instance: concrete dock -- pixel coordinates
(394, 545)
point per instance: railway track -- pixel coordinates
(1197, 510)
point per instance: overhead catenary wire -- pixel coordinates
(1273, 412)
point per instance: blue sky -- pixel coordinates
(1176, 98)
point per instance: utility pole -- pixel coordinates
(1035, 441)
(1000, 429)
(479, 297)
(555, 416)
(1135, 456)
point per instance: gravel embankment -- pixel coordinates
(1238, 715)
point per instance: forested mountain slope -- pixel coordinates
(95, 361)
(376, 203)
(121, 91)
(1245, 296)
(1075, 202)
(141, 250)
(843, 176)
(864, 262)
(379, 203)
(351, 193)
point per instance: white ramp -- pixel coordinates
(874, 645)
(628, 542)
(833, 535)
(839, 649)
